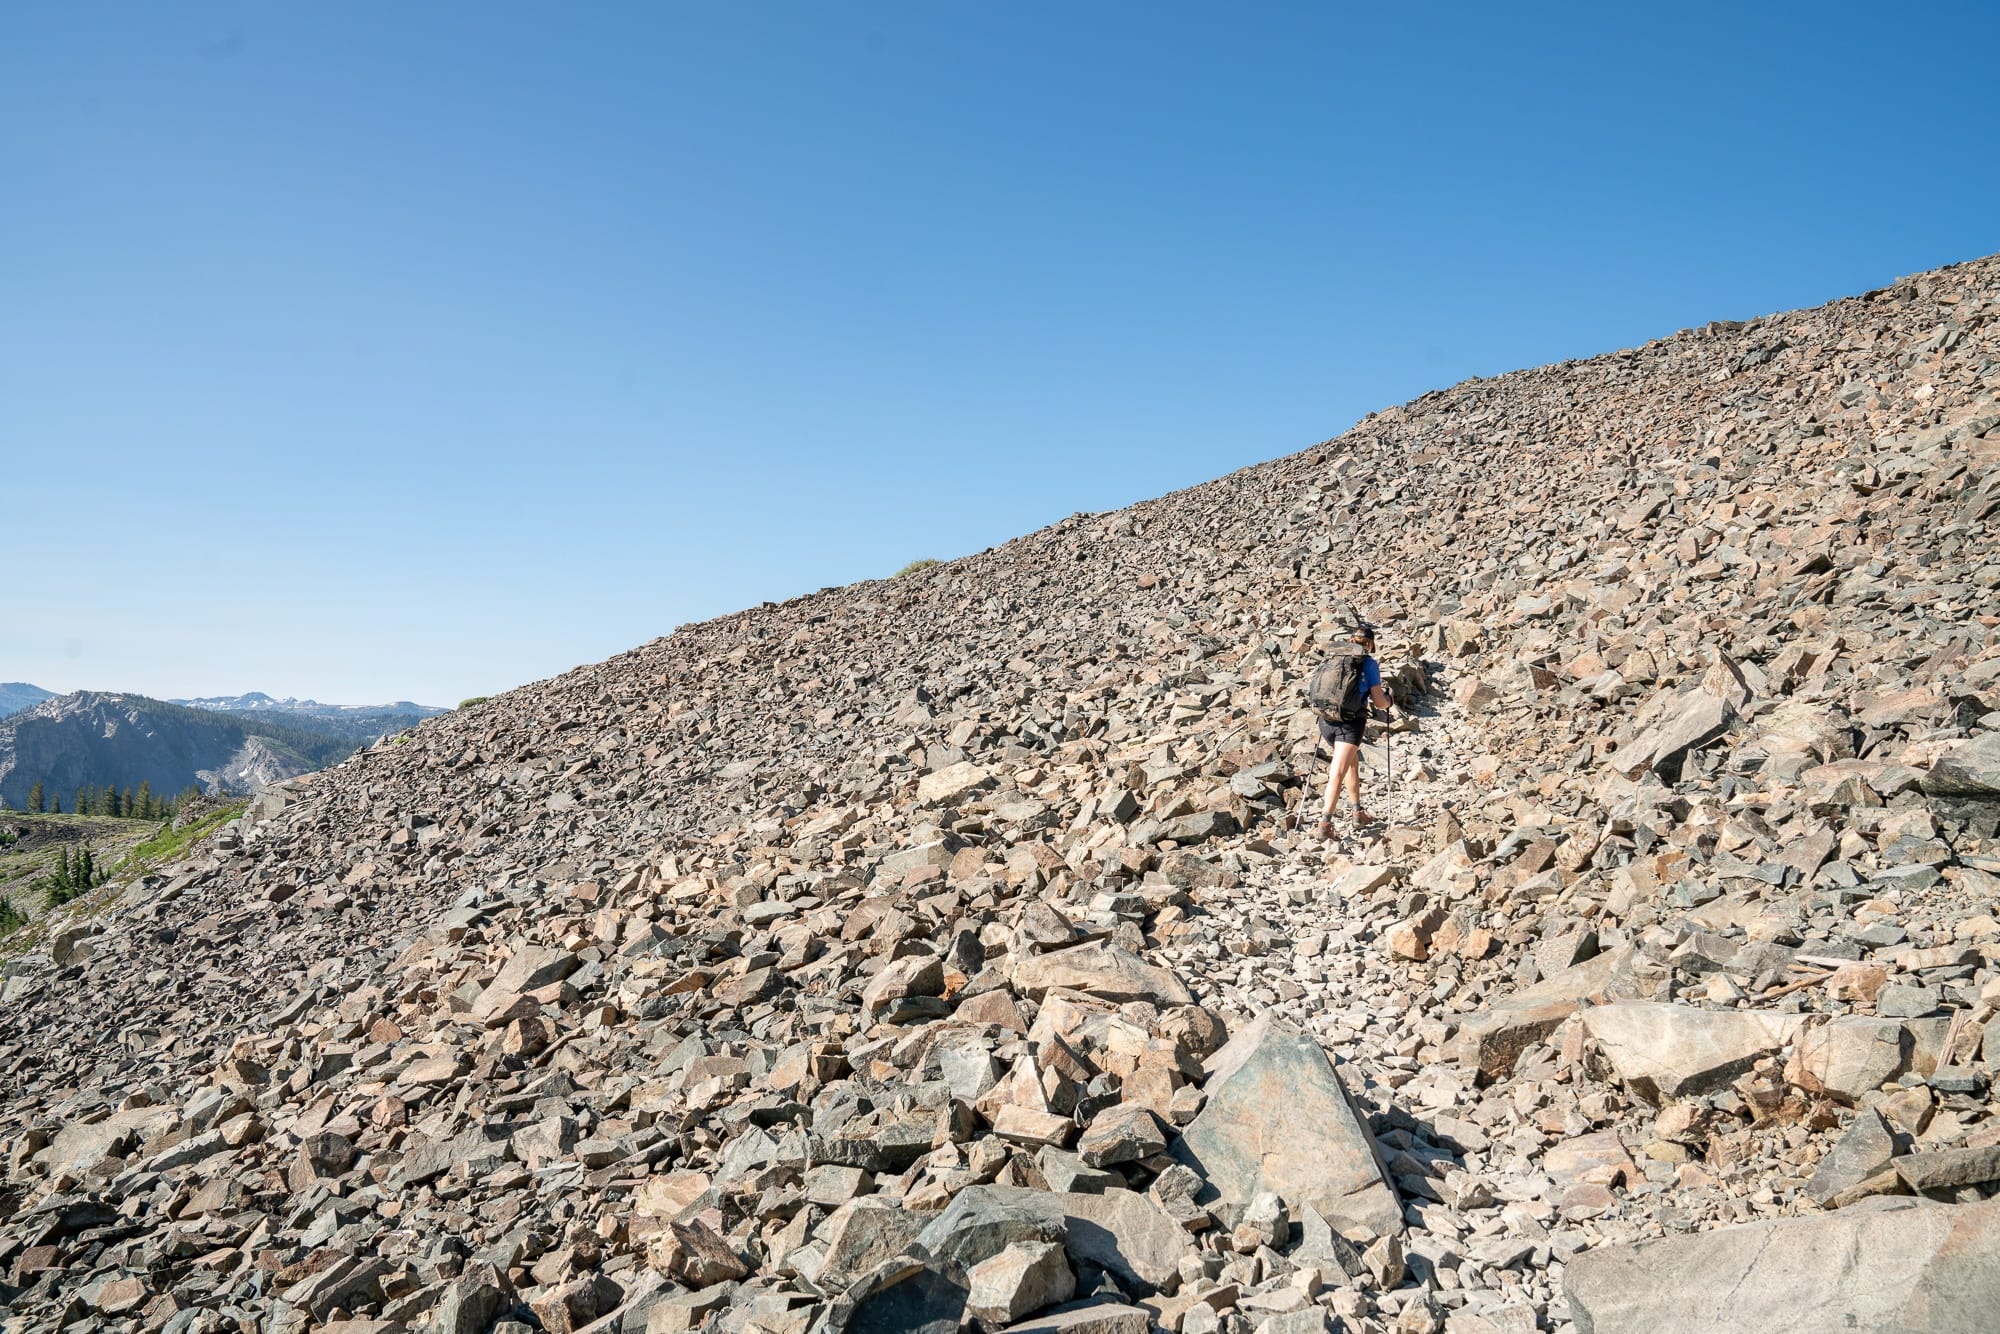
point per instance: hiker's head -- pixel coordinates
(1364, 635)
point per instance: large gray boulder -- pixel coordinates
(982, 1221)
(1969, 771)
(902, 1296)
(1883, 1266)
(1117, 1230)
(1277, 1119)
(1127, 1234)
(865, 1233)
(1022, 1279)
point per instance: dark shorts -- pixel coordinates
(1331, 732)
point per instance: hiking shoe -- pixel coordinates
(1326, 830)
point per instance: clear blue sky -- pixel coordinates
(386, 350)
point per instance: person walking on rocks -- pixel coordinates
(1341, 692)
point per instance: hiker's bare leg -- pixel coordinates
(1354, 783)
(1344, 758)
(1340, 750)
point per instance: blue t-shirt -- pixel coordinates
(1371, 676)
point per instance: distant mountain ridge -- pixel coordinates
(18, 695)
(258, 702)
(92, 739)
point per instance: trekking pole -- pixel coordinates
(1389, 757)
(1387, 719)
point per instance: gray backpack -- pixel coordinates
(1334, 692)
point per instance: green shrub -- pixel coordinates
(11, 918)
(915, 565)
(476, 699)
(170, 842)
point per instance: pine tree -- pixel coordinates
(147, 811)
(35, 799)
(55, 805)
(83, 801)
(75, 873)
(126, 805)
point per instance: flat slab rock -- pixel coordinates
(1491, 1040)
(1850, 1057)
(1866, 1148)
(1100, 970)
(1691, 723)
(1278, 1119)
(78, 1148)
(1667, 1051)
(1091, 1318)
(1883, 1266)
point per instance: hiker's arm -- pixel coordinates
(1381, 698)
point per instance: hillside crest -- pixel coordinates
(955, 949)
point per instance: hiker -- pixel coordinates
(1341, 692)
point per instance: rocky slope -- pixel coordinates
(946, 951)
(92, 738)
